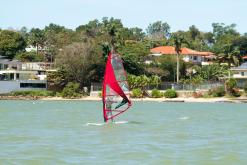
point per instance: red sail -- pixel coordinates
(116, 95)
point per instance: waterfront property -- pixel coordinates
(15, 75)
(244, 58)
(240, 73)
(188, 55)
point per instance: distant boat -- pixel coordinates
(116, 94)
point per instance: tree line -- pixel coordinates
(80, 53)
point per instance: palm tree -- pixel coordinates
(230, 55)
(178, 40)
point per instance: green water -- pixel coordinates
(56, 132)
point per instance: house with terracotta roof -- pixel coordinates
(245, 58)
(188, 55)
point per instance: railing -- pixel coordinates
(205, 86)
(37, 66)
(168, 85)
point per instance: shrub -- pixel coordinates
(197, 94)
(156, 93)
(236, 92)
(33, 93)
(170, 93)
(245, 87)
(230, 84)
(71, 90)
(217, 92)
(100, 94)
(29, 57)
(231, 87)
(137, 93)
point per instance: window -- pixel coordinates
(11, 76)
(242, 73)
(194, 58)
(32, 85)
(5, 66)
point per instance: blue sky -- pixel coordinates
(179, 14)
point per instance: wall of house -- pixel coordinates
(194, 59)
(27, 76)
(186, 58)
(9, 86)
(238, 74)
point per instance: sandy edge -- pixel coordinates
(93, 98)
(179, 99)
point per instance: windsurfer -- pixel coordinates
(108, 107)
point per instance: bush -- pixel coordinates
(217, 92)
(230, 84)
(231, 87)
(197, 94)
(71, 90)
(100, 94)
(33, 93)
(29, 57)
(245, 87)
(156, 93)
(170, 93)
(137, 93)
(236, 92)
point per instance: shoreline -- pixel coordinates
(93, 98)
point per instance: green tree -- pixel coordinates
(56, 80)
(231, 87)
(29, 57)
(178, 40)
(92, 29)
(158, 30)
(230, 55)
(56, 37)
(168, 65)
(11, 43)
(114, 29)
(212, 72)
(241, 42)
(194, 32)
(138, 82)
(24, 33)
(137, 34)
(36, 38)
(78, 61)
(220, 29)
(133, 54)
(208, 38)
(71, 90)
(154, 80)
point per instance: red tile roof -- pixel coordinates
(244, 57)
(184, 51)
(164, 50)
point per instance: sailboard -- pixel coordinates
(115, 93)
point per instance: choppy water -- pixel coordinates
(59, 132)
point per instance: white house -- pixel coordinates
(15, 75)
(240, 73)
(188, 55)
